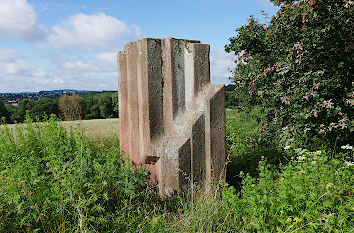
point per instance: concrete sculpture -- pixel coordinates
(172, 119)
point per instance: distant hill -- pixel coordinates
(13, 98)
(66, 91)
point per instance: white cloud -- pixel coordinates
(79, 66)
(40, 74)
(12, 63)
(97, 32)
(19, 20)
(18, 67)
(221, 65)
(107, 57)
(7, 54)
(101, 62)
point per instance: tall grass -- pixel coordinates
(310, 194)
(55, 181)
(245, 146)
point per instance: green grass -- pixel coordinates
(245, 147)
(98, 129)
(71, 177)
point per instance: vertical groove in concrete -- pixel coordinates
(201, 66)
(123, 102)
(218, 134)
(173, 81)
(155, 89)
(198, 152)
(178, 76)
(184, 161)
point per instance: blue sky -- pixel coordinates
(62, 44)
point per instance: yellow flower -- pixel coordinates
(329, 185)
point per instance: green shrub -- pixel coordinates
(244, 145)
(310, 194)
(298, 69)
(53, 181)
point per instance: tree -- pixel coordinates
(108, 104)
(70, 107)
(3, 112)
(45, 107)
(90, 107)
(23, 108)
(103, 105)
(298, 69)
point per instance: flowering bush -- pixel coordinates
(298, 68)
(310, 194)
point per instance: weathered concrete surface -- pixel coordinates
(172, 118)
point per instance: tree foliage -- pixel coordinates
(90, 106)
(24, 107)
(3, 111)
(70, 107)
(103, 105)
(298, 68)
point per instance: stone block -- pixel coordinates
(172, 118)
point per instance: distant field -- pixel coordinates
(95, 129)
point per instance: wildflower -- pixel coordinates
(300, 158)
(333, 125)
(343, 120)
(350, 101)
(298, 46)
(342, 123)
(348, 163)
(308, 73)
(306, 130)
(286, 147)
(317, 85)
(329, 185)
(347, 147)
(313, 93)
(344, 126)
(328, 103)
(347, 4)
(314, 112)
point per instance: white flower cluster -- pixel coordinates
(348, 163)
(346, 147)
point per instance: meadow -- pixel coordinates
(71, 177)
(97, 129)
